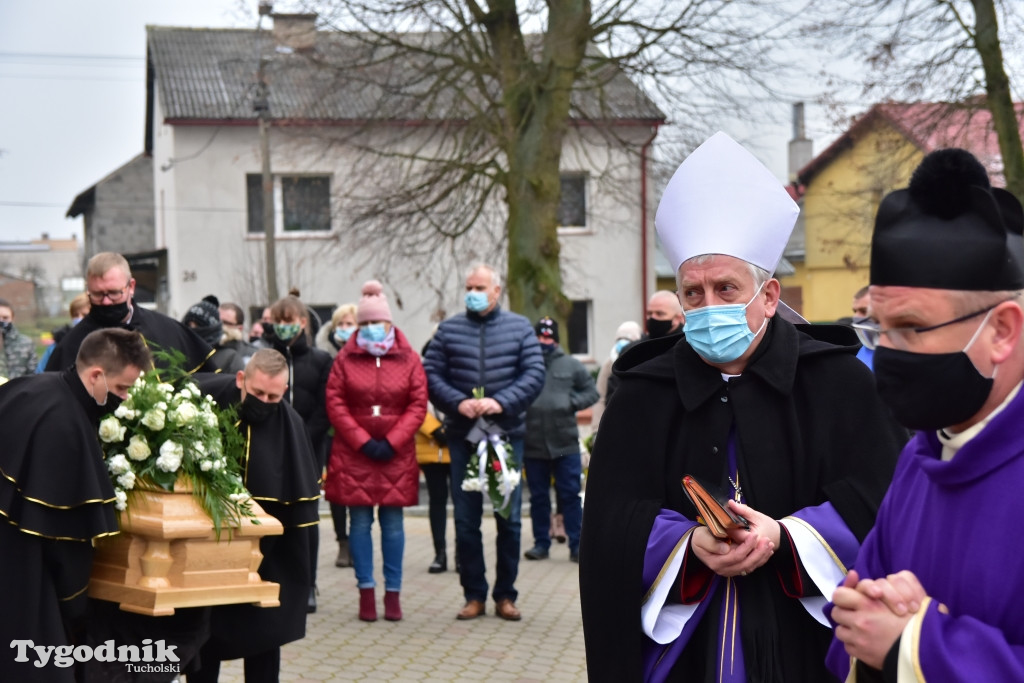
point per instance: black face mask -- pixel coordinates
(930, 390)
(271, 338)
(255, 411)
(109, 316)
(6, 326)
(113, 402)
(210, 334)
(658, 328)
(110, 401)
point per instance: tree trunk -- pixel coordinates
(536, 117)
(1000, 100)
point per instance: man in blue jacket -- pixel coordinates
(496, 351)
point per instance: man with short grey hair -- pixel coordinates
(783, 427)
(664, 314)
(494, 352)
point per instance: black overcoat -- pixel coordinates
(809, 429)
(155, 327)
(281, 474)
(55, 499)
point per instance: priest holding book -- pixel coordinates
(778, 417)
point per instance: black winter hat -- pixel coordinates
(950, 229)
(546, 327)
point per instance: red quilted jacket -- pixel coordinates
(370, 397)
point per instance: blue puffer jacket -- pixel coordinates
(498, 351)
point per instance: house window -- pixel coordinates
(579, 328)
(254, 196)
(572, 208)
(304, 201)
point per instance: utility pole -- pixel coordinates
(261, 105)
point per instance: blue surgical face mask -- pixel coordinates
(720, 334)
(477, 301)
(341, 334)
(621, 344)
(374, 332)
(287, 331)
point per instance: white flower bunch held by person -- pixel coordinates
(489, 468)
(166, 431)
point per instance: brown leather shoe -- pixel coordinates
(506, 609)
(472, 610)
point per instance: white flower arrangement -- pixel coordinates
(492, 467)
(166, 430)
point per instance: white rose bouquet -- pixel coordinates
(166, 430)
(492, 467)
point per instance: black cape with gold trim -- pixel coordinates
(55, 497)
(162, 330)
(281, 474)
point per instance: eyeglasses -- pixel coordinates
(870, 333)
(115, 295)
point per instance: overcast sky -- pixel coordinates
(72, 99)
(72, 78)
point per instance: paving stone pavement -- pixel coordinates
(429, 644)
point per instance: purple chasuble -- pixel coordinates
(952, 524)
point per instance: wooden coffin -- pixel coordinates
(168, 555)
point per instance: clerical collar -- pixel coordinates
(951, 443)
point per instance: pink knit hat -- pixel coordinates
(374, 303)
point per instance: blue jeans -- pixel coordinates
(469, 508)
(566, 470)
(392, 544)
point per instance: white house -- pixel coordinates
(203, 136)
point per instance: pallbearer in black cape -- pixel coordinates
(281, 474)
(56, 496)
(111, 290)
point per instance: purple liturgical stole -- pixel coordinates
(671, 528)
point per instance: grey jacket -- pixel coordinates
(551, 430)
(17, 354)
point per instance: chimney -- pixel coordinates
(801, 150)
(295, 31)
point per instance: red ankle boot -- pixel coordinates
(392, 608)
(367, 604)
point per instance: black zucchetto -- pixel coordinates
(950, 229)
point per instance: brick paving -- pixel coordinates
(429, 644)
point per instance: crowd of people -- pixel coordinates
(847, 465)
(350, 411)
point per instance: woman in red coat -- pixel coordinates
(376, 400)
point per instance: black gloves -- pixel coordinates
(378, 449)
(439, 437)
